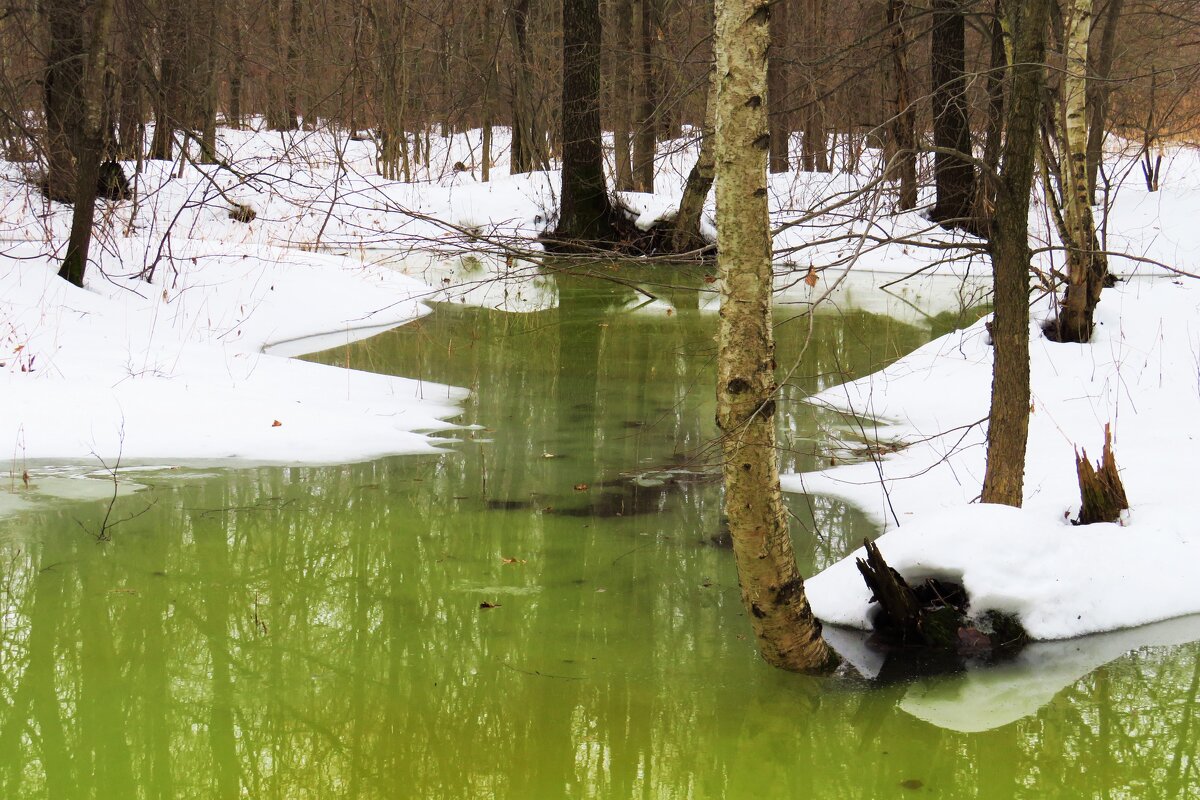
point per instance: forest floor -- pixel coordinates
(176, 350)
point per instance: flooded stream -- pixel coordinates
(539, 612)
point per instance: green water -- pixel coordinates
(318, 632)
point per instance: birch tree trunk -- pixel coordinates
(772, 589)
(1086, 266)
(1008, 425)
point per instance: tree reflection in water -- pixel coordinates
(317, 632)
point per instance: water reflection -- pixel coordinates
(319, 632)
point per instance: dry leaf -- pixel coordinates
(507, 560)
(581, 487)
(486, 605)
(710, 278)
(276, 424)
(811, 277)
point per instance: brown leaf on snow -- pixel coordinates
(276, 424)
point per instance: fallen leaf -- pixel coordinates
(276, 424)
(507, 560)
(581, 487)
(486, 605)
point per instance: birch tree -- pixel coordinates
(772, 590)
(1086, 265)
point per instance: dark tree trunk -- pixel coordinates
(1008, 426)
(985, 203)
(778, 83)
(237, 69)
(645, 140)
(168, 89)
(292, 73)
(904, 118)
(954, 176)
(524, 149)
(89, 141)
(622, 94)
(61, 87)
(1100, 92)
(585, 213)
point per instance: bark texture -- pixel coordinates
(778, 86)
(686, 234)
(1008, 428)
(585, 214)
(903, 124)
(772, 590)
(953, 175)
(1086, 265)
(89, 143)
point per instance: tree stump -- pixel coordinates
(1101, 492)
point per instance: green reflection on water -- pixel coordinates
(317, 632)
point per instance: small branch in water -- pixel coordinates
(538, 674)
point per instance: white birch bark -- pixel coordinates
(772, 590)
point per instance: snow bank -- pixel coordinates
(1140, 373)
(174, 370)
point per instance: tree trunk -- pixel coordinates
(585, 214)
(1008, 427)
(814, 149)
(904, 117)
(985, 197)
(772, 589)
(60, 95)
(208, 105)
(686, 234)
(237, 69)
(778, 83)
(622, 94)
(1086, 266)
(292, 70)
(526, 152)
(954, 176)
(645, 139)
(88, 151)
(1100, 91)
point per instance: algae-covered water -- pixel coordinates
(538, 613)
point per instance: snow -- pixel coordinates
(174, 371)
(1139, 373)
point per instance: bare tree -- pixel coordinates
(1008, 427)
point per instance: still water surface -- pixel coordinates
(318, 632)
